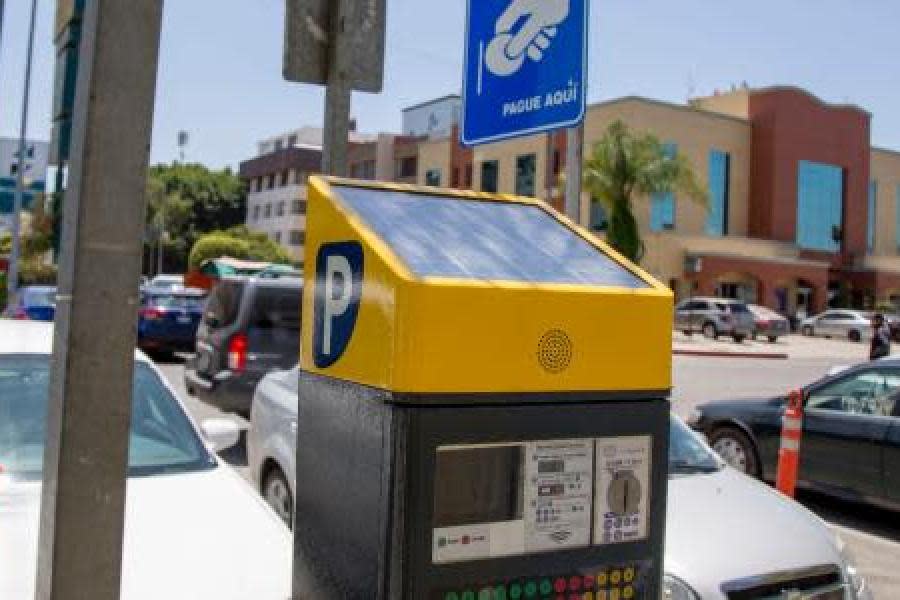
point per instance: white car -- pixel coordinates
(727, 535)
(193, 528)
(853, 325)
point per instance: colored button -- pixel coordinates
(515, 591)
(546, 587)
(486, 594)
(628, 592)
(602, 595)
(615, 594)
(451, 596)
(574, 596)
(588, 582)
(602, 578)
(500, 592)
(575, 583)
(468, 595)
(615, 577)
(559, 585)
(530, 589)
(587, 596)
(628, 575)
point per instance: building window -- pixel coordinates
(433, 177)
(662, 204)
(870, 225)
(285, 177)
(369, 169)
(270, 182)
(406, 167)
(599, 218)
(299, 177)
(256, 213)
(557, 161)
(719, 190)
(292, 140)
(820, 206)
(525, 170)
(279, 209)
(278, 237)
(268, 212)
(297, 238)
(489, 172)
(298, 207)
(468, 180)
(454, 182)
(278, 145)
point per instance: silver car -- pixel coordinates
(853, 325)
(714, 317)
(727, 535)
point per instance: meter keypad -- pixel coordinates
(622, 582)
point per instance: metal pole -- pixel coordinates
(12, 277)
(338, 90)
(89, 412)
(574, 157)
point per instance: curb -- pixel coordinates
(724, 354)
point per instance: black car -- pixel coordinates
(250, 326)
(851, 434)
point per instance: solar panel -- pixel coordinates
(443, 236)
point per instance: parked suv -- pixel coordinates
(250, 326)
(714, 317)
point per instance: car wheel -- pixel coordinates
(687, 332)
(277, 493)
(854, 336)
(738, 338)
(736, 449)
(773, 339)
(807, 330)
(710, 331)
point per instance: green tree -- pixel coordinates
(237, 242)
(187, 201)
(625, 164)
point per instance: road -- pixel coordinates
(873, 536)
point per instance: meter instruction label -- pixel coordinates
(558, 494)
(622, 488)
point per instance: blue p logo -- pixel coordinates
(339, 274)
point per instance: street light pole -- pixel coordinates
(12, 277)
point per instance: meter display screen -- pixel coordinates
(443, 236)
(480, 485)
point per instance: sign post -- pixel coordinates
(525, 68)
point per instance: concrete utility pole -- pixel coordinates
(89, 413)
(339, 86)
(12, 277)
(574, 159)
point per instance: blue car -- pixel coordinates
(168, 320)
(36, 303)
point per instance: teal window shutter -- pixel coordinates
(662, 205)
(717, 218)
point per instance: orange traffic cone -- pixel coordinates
(789, 453)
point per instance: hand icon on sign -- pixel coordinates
(506, 52)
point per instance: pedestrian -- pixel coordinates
(881, 338)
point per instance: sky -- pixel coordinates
(220, 63)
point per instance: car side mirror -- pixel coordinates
(220, 434)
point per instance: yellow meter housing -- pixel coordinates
(483, 407)
(467, 292)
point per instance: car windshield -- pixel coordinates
(176, 301)
(687, 454)
(44, 297)
(162, 438)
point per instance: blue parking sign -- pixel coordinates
(525, 68)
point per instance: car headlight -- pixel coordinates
(676, 589)
(852, 576)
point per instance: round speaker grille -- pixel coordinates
(554, 351)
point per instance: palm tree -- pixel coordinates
(624, 163)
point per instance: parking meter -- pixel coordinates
(483, 407)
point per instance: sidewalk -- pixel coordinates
(787, 347)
